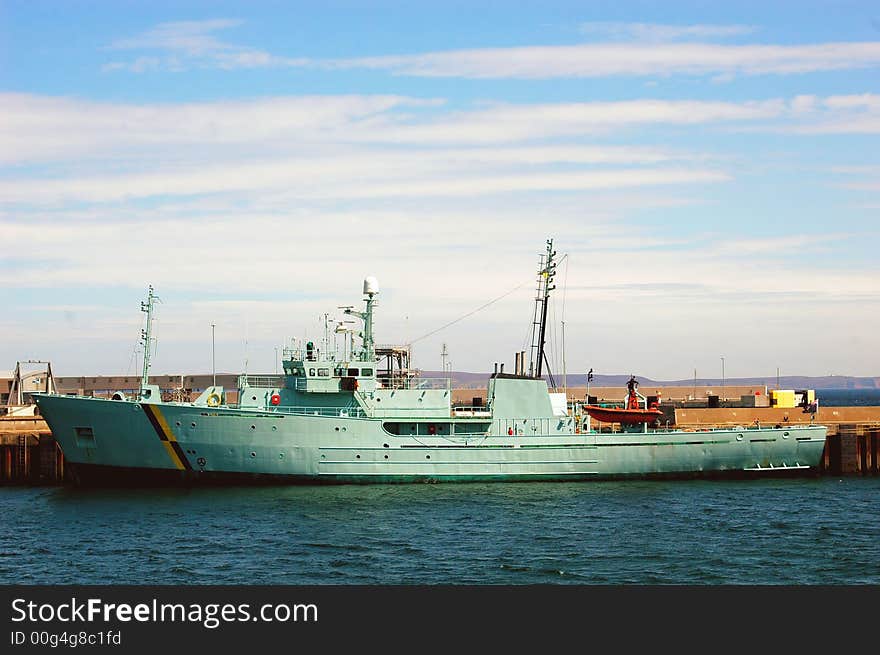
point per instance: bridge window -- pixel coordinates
(367, 372)
(311, 371)
(352, 372)
(323, 372)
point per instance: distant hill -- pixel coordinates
(463, 379)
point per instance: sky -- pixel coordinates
(708, 172)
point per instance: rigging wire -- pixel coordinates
(564, 290)
(557, 347)
(469, 314)
(530, 328)
(132, 359)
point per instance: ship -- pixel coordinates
(348, 415)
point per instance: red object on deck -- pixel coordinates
(623, 416)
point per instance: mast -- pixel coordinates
(542, 302)
(371, 288)
(147, 335)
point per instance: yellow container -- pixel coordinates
(782, 398)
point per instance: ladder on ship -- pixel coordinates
(22, 456)
(546, 274)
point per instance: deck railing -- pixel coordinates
(342, 412)
(417, 383)
(266, 381)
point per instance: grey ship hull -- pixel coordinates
(115, 442)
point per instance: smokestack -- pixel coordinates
(496, 368)
(522, 362)
(502, 367)
(517, 364)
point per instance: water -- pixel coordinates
(848, 397)
(803, 531)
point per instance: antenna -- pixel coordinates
(538, 358)
(147, 334)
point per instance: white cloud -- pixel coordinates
(803, 103)
(368, 175)
(347, 147)
(504, 122)
(663, 32)
(845, 114)
(873, 185)
(647, 51)
(610, 59)
(192, 44)
(192, 37)
(39, 128)
(801, 243)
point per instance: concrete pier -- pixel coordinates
(29, 453)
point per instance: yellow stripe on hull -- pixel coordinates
(166, 436)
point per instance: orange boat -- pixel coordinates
(622, 415)
(632, 414)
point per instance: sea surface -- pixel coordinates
(847, 397)
(793, 531)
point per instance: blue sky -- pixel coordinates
(709, 168)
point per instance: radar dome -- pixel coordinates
(371, 285)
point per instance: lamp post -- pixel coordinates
(213, 358)
(722, 379)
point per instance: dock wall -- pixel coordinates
(29, 453)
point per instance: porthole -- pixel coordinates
(253, 397)
(427, 457)
(386, 456)
(739, 437)
(177, 423)
(785, 435)
(193, 424)
(274, 428)
(253, 454)
(357, 456)
(343, 429)
(336, 428)
(280, 455)
(323, 456)
(384, 445)
(253, 427)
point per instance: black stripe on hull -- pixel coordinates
(154, 421)
(157, 426)
(94, 475)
